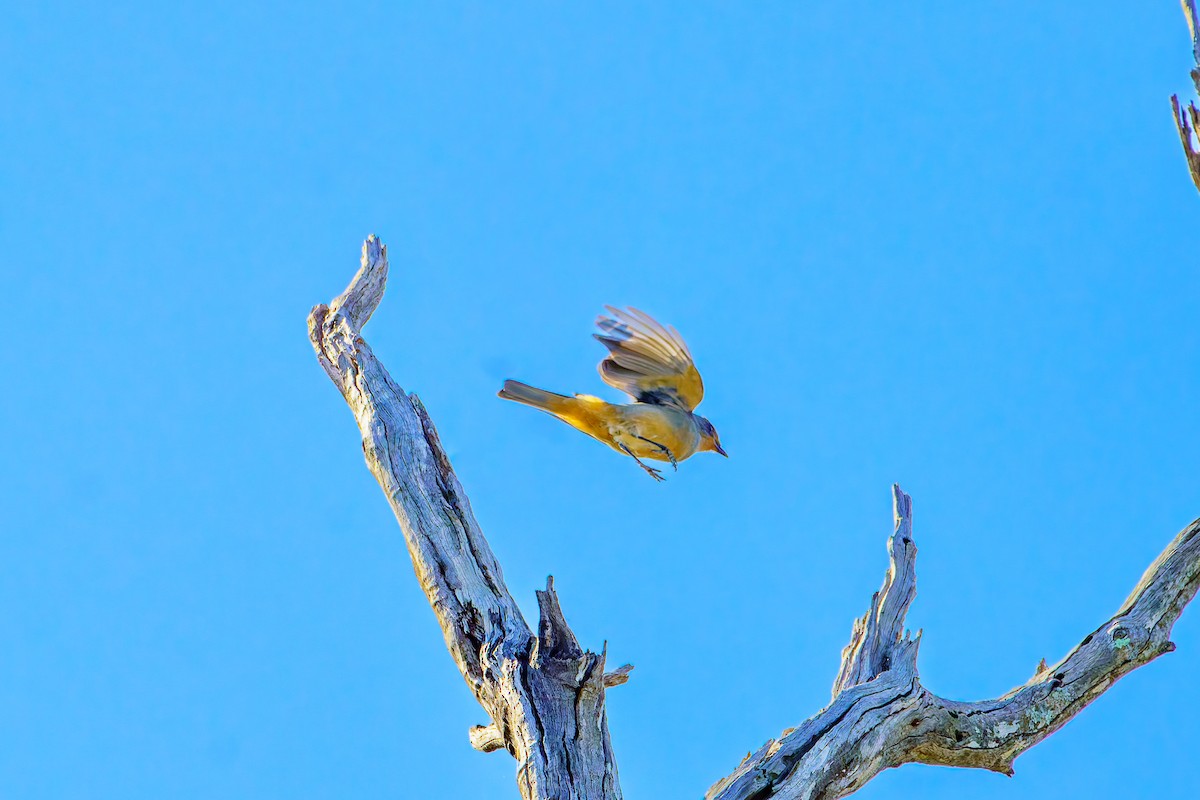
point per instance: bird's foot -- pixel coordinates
(652, 472)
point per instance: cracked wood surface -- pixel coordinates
(881, 716)
(543, 692)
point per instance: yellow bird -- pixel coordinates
(651, 364)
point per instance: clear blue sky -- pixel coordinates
(953, 247)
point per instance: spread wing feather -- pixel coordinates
(649, 362)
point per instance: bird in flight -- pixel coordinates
(651, 364)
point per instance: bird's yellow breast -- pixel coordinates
(640, 427)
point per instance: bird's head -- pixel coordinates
(709, 441)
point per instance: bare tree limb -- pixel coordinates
(881, 716)
(543, 693)
(1187, 119)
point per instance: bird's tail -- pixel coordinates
(538, 398)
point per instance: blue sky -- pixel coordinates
(951, 246)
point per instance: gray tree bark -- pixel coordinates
(881, 716)
(544, 694)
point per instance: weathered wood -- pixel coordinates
(881, 716)
(1187, 122)
(1187, 118)
(873, 639)
(486, 738)
(544, 693)
(1193, 23)
(618, 676)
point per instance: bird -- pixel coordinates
(652, 364)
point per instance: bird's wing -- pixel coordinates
(648, 361)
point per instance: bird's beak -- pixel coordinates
(720, 450)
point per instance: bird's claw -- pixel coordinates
(654, 473)
(651, 471)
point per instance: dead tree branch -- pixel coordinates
(1187, 119)
(544, 694)
(881, 716)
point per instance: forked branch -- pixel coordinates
(881, 716)
(544, 693)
